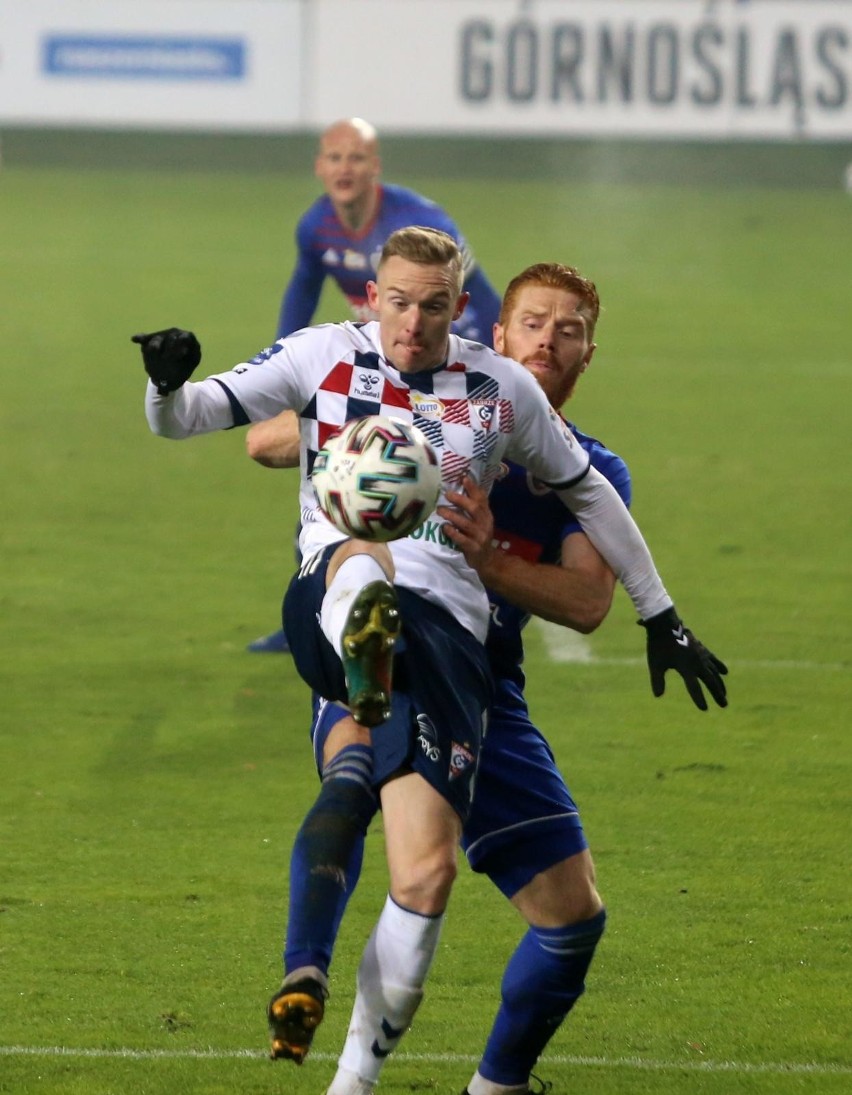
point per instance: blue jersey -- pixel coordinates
(326, 248)
(531, 522)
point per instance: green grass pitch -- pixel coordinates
(153, 773)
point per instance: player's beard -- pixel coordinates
(558, 385)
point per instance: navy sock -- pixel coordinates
(543, 980)
(326, 859)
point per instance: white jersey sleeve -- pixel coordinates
(252, 391)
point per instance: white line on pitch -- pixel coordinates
(570, 647)
(815, 1067)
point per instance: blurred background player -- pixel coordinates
(342, 234)
(341, 237)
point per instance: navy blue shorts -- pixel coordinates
(442, 687)
(523, 819)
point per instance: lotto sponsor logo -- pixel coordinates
(427, 405)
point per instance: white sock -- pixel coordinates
(347, 1083)
(391, 975)
(480, 1086)
(355, 572)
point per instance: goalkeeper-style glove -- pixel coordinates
(672, 646)
(170, 357)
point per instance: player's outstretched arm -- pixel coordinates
(670, 645)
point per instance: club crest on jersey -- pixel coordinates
(461, 759)
(484, 410)
(366, 385)
(427, 738)
(429, 406)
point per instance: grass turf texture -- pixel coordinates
(154, 774)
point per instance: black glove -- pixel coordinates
(673, 646)
(170, 357)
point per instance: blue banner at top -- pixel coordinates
(144, 58)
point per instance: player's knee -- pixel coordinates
(349, 548)
(584, 904)
(561, 895)
(424, 886)
(344, 734)
(573, 908)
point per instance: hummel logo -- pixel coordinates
(393, 1034)
(679, 637)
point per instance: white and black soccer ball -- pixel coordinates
(377, 479)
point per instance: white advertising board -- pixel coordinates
(211, 64)
(763, 69)
(680, 68)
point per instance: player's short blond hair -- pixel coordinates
(555, 275)
(426, 247)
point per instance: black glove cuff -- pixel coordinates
(666, 621)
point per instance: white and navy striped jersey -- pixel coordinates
(478, 410)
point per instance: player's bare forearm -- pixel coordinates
(576, 594)
(275, 443)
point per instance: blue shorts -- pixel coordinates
(523, 819)
(442, 687)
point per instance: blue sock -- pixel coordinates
(326, 859)
(543, 980)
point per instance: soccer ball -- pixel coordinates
(377, 478)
